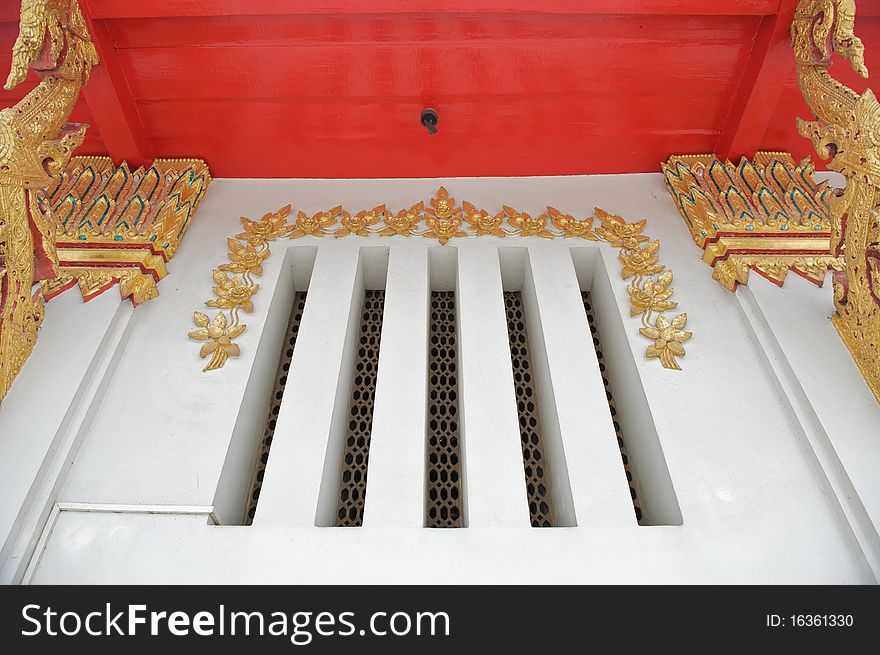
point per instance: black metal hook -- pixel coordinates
(429, 119)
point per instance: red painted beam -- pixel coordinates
(110, 9)
(9, 12)
(110, 101)
(760, 88)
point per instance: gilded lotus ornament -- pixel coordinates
(668, 340)
(652, 296)
(315, 225)
(360, 223)
(527, 225)
(217, 337)
(649, 292)
(443, 206)
(619, 233)
(232, 293)
(244, 259)
(570, 226)
(272, 226)
(482, 222)
(405, 222)
(641, 262)
(443, 218)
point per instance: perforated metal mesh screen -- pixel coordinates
(534, 462)
(444, 498)
(356, 451)
(299, 303)
(597, 343)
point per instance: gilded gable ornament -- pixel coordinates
(846, 132)
(114, 226)
(36, 142)
(765, 214)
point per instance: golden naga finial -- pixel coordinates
(36, 141)
(846, 132)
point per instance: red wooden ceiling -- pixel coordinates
(334, 88)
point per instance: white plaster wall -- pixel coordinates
(48, 412)
(762, 497)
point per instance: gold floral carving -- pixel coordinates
(36, 142)
(846, 132)
(443, 218)
(114, 226)
(234, 293)
(649, 286)
(218, 336)
(767, 215)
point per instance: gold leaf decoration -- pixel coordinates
(360, 223)
(272, 226)
(641, 261)
(668, 339)
(526, 226)
(405, 222)
(620, 234)
(443, 218)
(648, 295)
(846, 132)
(649, 289)
(234, 293)
(114, 226)
(652, 296)
(36, 142)
(767, 205)
(218, 336)
(483, 223)
(245, 258)
(571, 227)
(316, 225)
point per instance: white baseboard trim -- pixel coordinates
(108, 508)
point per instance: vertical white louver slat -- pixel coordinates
(493, 467)
(249, 447)
(295, 472)
(396, 490)
(544, 463)
(631, 481)
(640, 462)
(586, 439)
(281, 375)
(482, 483)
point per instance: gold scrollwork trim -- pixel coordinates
(649, 285)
